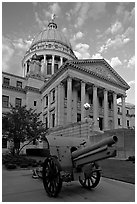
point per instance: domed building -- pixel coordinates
(58, 84)
(48, 51)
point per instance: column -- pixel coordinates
(95, 109)
(74, 106)
(53, 57)
(61, 61)
(115, 119)
(82, 100)
(123, 112)
(61, 95)
(69, 99)
(56, 106)
(49, 99)
(105, 110)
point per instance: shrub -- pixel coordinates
(131, 158)
(11, 166)
(20, 160)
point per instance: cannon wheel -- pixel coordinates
(51, 176)
(92, 178)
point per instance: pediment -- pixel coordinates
(102, 70)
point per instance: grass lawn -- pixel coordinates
(118, 169)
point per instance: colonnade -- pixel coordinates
(95, 106)
(49, 64)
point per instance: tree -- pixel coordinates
(22, 125)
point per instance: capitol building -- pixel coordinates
(58, 84)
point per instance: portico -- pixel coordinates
(103, 104)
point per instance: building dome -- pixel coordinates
(50, 34)
(50, 39)
(50, 49)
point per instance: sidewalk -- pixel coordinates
(19, 186)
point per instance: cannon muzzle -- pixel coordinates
(105, 142)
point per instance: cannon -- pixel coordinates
(72, 159)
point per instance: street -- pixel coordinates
(19, 186)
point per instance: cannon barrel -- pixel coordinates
(105, 142)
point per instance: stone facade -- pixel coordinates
(58, 84)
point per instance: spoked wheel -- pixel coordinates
(91, 177)
(51, 177)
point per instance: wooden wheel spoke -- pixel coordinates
(51, 177)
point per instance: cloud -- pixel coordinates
(7, 53)
(42, 23)
(127, 17)
(55, 9)
(85, 10)
(82, 51)
(76, 37)
(131, 83)
(115, 28)
(115, 61)
(97, 56)
(118, 41)
(12, 54)
(131, 62)
(46, 15)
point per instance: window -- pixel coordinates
(35, 103)
(127, 112)
(19, 84)
(53, 120)
(118, 121)
(127, 123)
(46, 100)
(55, 68)
(18, 102)
(46, 122)
(79, 95)
(49, 66)
(100, 102)
(90, 99)
(5, 101)
(53, 95)
(118, 110)
(78, 117)
(6, 81)
(109, 104)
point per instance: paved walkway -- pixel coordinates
(19, 186)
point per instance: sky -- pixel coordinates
(94, 29)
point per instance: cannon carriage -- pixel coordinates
(72, 159)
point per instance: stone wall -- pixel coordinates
(126, 137)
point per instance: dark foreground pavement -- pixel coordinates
(19, 186)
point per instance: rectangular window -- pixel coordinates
(5, 101)
(78, 117)
(53, 95)
(118, 110)
(90, 99)
(35, 103)
(53, 120)
(127, 123)
(49, 67)
(55, 68)
(127, 112)
(6, 81)
(46, 122)
(118, 121)
(46, 100)
(19, 84)
(18, 102)
(79, 95)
